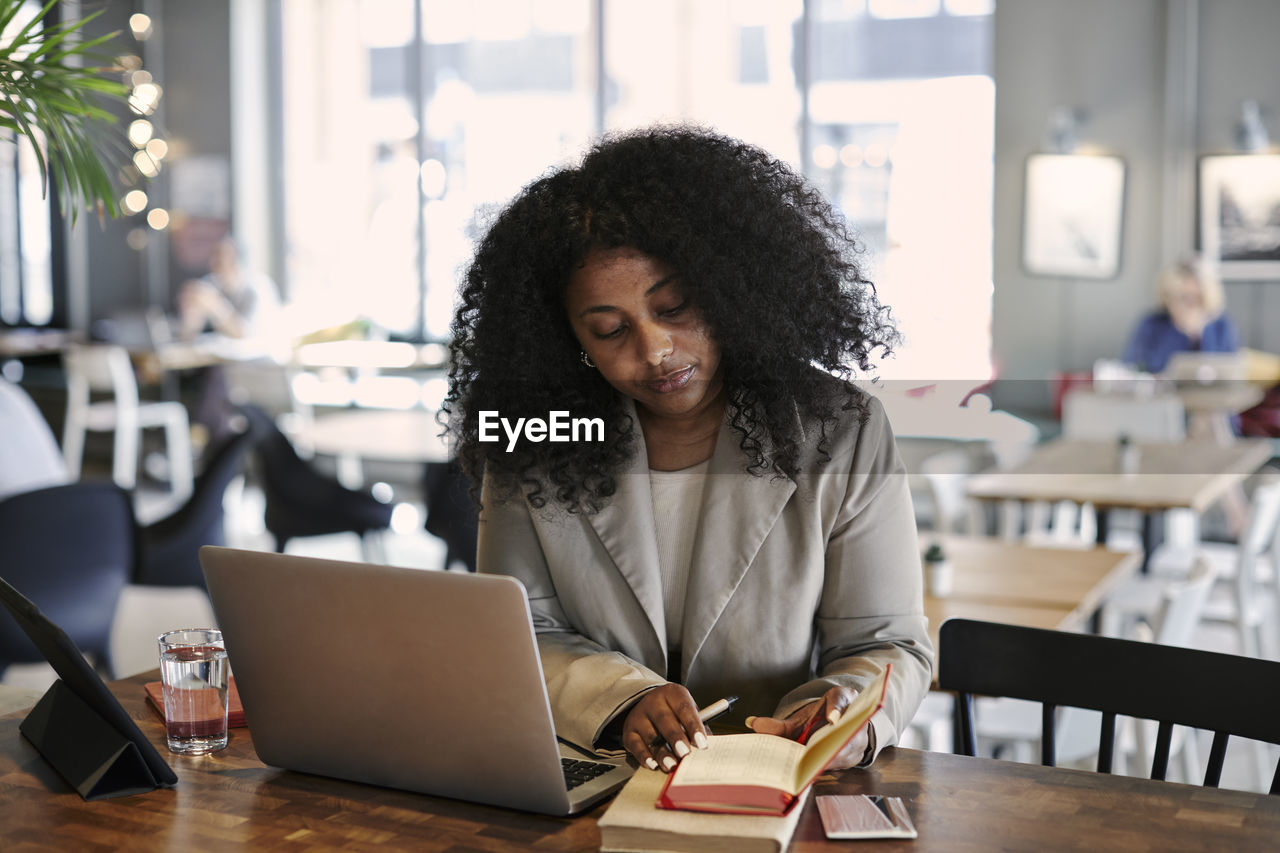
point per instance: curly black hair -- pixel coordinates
(769, 263)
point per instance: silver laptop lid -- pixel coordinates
(1205, 367)
(423, 680)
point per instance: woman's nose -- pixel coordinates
(655, 343)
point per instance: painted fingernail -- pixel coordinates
(700, 740)
(681, 748)
(651, 764)
(750, 721)
(668, 763)
(834, 717)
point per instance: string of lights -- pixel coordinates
(150, 147)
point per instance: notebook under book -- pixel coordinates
(423, 680)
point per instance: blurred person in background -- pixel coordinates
(1191, 318)
(233, 301)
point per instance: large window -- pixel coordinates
(726, 64)
(26, 280)
(902, 115)
(402, 120)
(406, 120)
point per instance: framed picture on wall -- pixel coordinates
(1240, 214)
(1073, 215)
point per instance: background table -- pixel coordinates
(393, 435)
(231, 801)
(1001, 581)
(1171, 475)
(1189, 474)
(353, 436)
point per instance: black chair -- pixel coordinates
(70, 549)
(168, 550)
(1225, 694)
(451, 514)
(300, 500)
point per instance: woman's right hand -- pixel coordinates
(668, 716)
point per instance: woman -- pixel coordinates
(1191, 318)
(231, 300)
(739, 521)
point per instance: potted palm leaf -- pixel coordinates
(54, 90)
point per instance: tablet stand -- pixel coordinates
(87, 751)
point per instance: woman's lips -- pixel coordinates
(672, 381)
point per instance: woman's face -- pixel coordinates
(632, 318)
(1186, 307)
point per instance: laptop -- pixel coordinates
(423, 680)
(1204, 367)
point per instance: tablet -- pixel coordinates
(75, 672)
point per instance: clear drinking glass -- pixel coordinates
(193, 672)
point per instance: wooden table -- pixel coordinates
(354, 435)
(374, 355)
(1188, 475)
(1001, 581)
(28, 342)
(960, 803)
(231, 801)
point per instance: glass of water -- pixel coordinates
(193, 674)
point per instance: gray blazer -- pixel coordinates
(796, 585)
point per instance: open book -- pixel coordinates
(764, 774)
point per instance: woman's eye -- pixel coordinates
(673, 310)
(604, 336)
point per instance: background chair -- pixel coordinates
(167, 587)
(944, 476)
(1096, 416)
(300, 501)
(107, 368)
(451, 514)
(1226, 694)
(29, 454)
(168, 550)
(1104, 416)
(1013, 726)
(70, 550)
(1249, 603)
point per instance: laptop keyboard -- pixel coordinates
(577, 772)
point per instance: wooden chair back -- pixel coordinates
(1226, 694)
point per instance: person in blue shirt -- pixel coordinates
(1191, 318)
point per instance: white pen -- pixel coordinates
(716, 708)
(707, 714)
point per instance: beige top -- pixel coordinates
(677, 507)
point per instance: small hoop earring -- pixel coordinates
(586, 359)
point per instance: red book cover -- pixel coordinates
(762, 774)
(235, 711)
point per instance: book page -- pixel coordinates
(745, 759)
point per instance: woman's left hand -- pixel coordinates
(812, 717)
